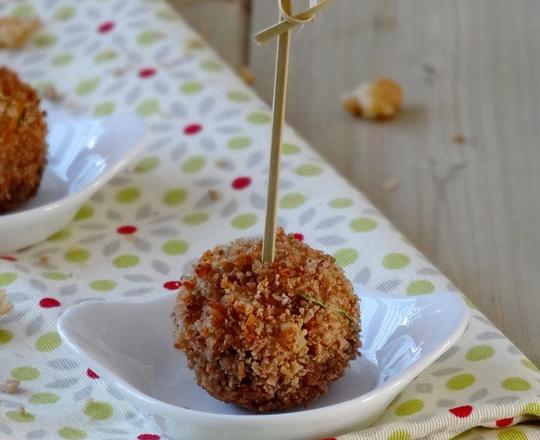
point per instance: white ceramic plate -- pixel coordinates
(83, 154)
(130, 345)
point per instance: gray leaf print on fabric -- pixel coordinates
(83, 394)
(113, 215)
(93, 226)
(137, 292)
(479, 395)
(111, 248)
(424, 388)
(209, 181)
(329, 222)
(161, 267)
(4, 429)
(452, 351)
(68, 290)
(428, 271)
(206, 105)
(254, 159)
(331, 240)
(133, 95)
(34, 326)
(19, 297)
(63, 364)
(208, 144)
(64, 382)
(142, 245)
(92, 238)
(36, 434)
(38, 285)
(138, 278)
(9, 403)
(388, 286)
(230, 208)
(227, 114)
(446, 371)
(446, 403)
(490, 336)
(144, 212)
(257, 201)
(178, 110)
(178, 152)
(14, 317)
(307, 215)
(363, 276)
(164, 231)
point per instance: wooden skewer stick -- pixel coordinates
(278, 121)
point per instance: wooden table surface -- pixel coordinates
(468, 67)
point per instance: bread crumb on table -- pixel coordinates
(247, 75)
(192, 44)
(391, 184)
(16, 31)
(459, 138)
(214, 195)
(10, 386)
(6, 306)
(377, 100)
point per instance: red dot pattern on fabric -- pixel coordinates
(462, 411)
(147, 72)
(8, 258)
(106, 27)
(49, 303)
(92, 374)
(172, 285)
(241, 182)
(126, 229)
(192, 129)
(504, 422)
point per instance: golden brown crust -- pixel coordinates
(267, 336)
(22, 141)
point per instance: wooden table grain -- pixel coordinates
(468, 67)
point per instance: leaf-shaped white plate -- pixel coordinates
(83, 154)
(130, 345)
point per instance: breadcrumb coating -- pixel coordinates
(22, 141)
(267, 336)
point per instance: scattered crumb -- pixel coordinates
(385, 22)
(44, 259)
(221, 163)
(15, 31)
(50, 93)
(214, 195)
(378, 100)
(429, 69)
(193, 44)
(10, 386)
(6, 306)
(391, 184)
(121, 71)
(459, 138)
(247, 75)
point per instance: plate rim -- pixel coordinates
(390, 388)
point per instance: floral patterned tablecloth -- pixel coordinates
(200, 181)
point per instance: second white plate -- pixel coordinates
(83, 154)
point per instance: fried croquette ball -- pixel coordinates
(267, 336)
(22, 141)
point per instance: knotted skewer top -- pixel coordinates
(289, 21)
